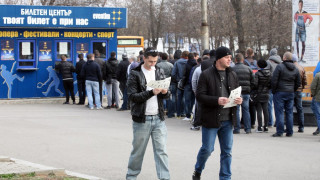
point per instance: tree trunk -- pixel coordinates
(238, 10)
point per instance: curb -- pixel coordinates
(24, 167)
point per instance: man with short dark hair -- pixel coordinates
(213, 90)
(111, 80)
(148, 116)
(285, 81)
(66, 69)
(177, 72)
(80, 81)
(246, 79)
(122, 78)
(91, 72)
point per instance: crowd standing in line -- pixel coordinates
(199, 88)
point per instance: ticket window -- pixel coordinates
(63, 47)
(102, 47)
(27, 56)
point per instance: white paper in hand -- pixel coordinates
(236, 93)
(162, 84)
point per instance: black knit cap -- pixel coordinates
(222, 52)
(206, 52)
(262, 63)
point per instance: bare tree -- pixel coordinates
(238, 10)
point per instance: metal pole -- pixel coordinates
(204, 26)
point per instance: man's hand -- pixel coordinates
(238, 100)
(156, 91)
(223, 101)
(164, 91)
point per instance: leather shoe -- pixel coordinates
(276, 135)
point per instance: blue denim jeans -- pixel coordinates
(245, 114)
(225, 136)
(180, 102)
(172, 106)
(283, 101)
(298, 105)
(93, 86)
(157, 129)
(315, 106)
(189, 99)
(270, 108)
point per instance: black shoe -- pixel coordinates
(80, 104)
(120, 109)
(66, 103)
(183, 115)
(108, 107)
(300, 130)
(248, 132)
(259, 130)
(276, 135)
(196, 176)
(315, 133)
(265, 129)
(236, 132)
(253, 126)
(289, 135)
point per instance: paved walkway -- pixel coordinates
(98, 143)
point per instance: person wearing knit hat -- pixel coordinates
(261, 88)
(213, 90)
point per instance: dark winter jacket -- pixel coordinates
(262, 84)
(166, 66)
(101, 64)
(111, 69)
(122, 70)
(190, 64)
(245, 76)
(207, 63)
(79, 68)
(91, 71)
(66, 69)
(138, 94)
(208, 92)
(285, 78)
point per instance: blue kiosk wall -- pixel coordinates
(30, 51)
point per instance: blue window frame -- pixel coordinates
(102, 47)
(63, 47)
(26, 54)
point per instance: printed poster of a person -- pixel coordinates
(302, 20)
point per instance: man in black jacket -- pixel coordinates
(285, 81)
(214, 87)
(246, 79)
(122, 78)
(66, 69)
(80, 81)
(148, 116)
(91, 72)
(111, 79)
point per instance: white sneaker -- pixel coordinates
(91, 108)
(186, 119)
(99, 108)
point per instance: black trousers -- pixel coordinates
(68, 88)
(81, 90)
(262, 107)
(252, 109)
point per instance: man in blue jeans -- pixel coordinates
(91, 72)
(214, 87)
(285, 81)
(245, 77)
(148, 116)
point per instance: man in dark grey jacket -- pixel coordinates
(285, 81)
(246, 79)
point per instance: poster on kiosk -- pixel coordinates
(306, 37)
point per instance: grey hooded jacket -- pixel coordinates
(273, 60)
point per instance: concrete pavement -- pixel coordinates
(98, 143)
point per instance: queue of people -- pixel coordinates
(199, 88)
